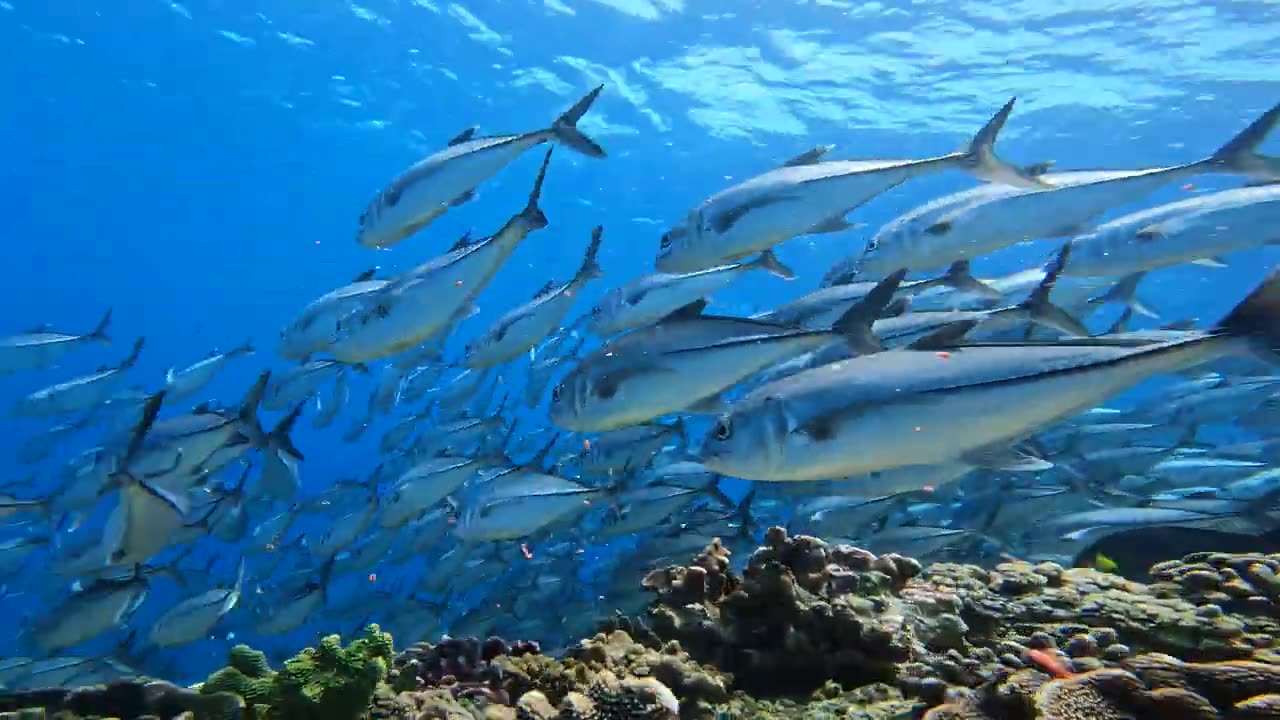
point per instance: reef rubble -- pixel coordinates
(806, 630)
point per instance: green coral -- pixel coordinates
(333, 681)
(247, 674)
(329, 680)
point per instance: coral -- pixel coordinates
(802, 613)
(247, 675)
(126, 699)
(616, 653)
(341, 680)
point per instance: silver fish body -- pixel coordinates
(449, 177)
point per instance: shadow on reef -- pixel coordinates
(809, 630)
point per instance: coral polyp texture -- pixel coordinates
(806, 630)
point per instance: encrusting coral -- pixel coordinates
(808, 630)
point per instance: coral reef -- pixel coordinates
(807, 630)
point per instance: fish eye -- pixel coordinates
(873, 245)
(666, 240)
(596, 310)
(555, 393)
(723, 429)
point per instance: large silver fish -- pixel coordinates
(1068, 205)
(41, 347)
(425, 300)
(180, 384)
(191, 620)
(807, 195)
(449, 177)
(1202, 227)
(910, 407)
(312, 331)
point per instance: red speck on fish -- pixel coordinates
(452, 520)
(1189, 186)
(944, 355)
(524, 548)
(586, 444)
(373, 577)
(1050, 663)
(458, 284)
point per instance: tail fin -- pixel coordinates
(279, 438)
(959, 277)
(532, 213)
(1041, 311)
(772, 265)
(1238, 155)
(133, 356)
(1258, 315)
(248, 412)
(1125, 293)
(100, 332)
(565, 128)
(590, 268)
(856, 323)
(980, 155)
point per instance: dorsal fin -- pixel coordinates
(692, 310)
(944, 337)
(365, 276)
(45, 327)
(464, 136)
(809, 157)
(462, 242)
(545, 288)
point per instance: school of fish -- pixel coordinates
(904, 405)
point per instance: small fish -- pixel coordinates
(650, 298)
(102, 606)
(192, 619)
(673, 365)
(524, 327)
(79, 395)
(182, 384)
(449, 177)
(298, 383)
(1104, 563)
(41, 348)
(423, 486)
(312, 331)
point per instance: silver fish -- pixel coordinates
(899, 408)
(42, 348)
(312, 331)
(191, 620)
(812, 196)
(1071, 201)
(449, 177)
(1201, 227)
(180, 384)
(650, 298)
(669, 367)
(423, 486)
(524, 327)
(104, 605)
(79, 395)
(425, 300)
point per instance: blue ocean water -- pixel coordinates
(199, 167)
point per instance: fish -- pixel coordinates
(809, 195)
(105, 604)
(192, 619)
(425, 300)
(671, 366)
(328, 409)
(300, 382)
(518, 508)
(182, 384)
(312, 331)
(1205, 226)
(525, 326)
(448, 178)
(80, 394)
(423, 486)
(1068, 203)
(38, 447)
(649, 298)
(910, 407)
(42, 348)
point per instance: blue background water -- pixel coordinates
(200, 166)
